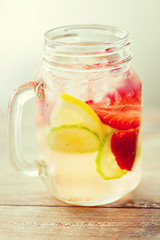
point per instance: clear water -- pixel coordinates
(73, 177)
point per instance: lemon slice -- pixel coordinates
(69, 110)
(73, 138)
(106, 163)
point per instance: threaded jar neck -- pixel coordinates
(87, 47)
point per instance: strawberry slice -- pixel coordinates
(121, 107)
(121, 117)
(123, 146)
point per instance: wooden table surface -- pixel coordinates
(28, 211)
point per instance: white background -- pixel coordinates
(23, 22)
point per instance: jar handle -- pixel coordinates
(20, 96)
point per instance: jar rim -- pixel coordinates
(51, 35)
(81, 46)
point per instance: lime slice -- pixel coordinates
(69, 110)
(107, 129)
(73, 138)
(106, 163)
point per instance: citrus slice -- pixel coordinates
(73, 138)
(106, 162)
(69, 110)
(107, 129)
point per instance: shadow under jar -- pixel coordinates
(88, 116)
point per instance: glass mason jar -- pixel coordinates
(88, 116)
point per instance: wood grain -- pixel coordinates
(78, 223)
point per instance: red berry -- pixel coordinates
(121, 107)
(123, 146)
(121, 117)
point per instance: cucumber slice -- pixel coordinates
(106, 162)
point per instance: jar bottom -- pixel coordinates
(97, 201)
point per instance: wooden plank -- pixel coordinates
(16, 189)
(78, 223)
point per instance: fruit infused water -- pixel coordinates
(90, 140)
(88, 116)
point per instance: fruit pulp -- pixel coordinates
(74, 177)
